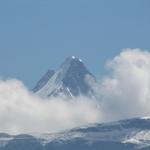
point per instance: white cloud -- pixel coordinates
(23, 112)
(126, 93)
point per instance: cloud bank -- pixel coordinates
(125, 93)
(23, 112)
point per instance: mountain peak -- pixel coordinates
(69, 79)
(76, 58)
(73, 63)
(72, 59)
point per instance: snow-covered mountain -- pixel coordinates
(130, 134)
(68, 80)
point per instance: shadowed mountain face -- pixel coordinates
(68, 80)
(41, 83)
(128, 134)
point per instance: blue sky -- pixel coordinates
(37, 35)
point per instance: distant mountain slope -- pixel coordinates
(42, 82)
(128, 134)
(68, 80)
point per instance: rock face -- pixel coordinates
(130, 134)
(42, 82)
(69, 80)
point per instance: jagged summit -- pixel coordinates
(68, 80)
(76, 58)
(72, 60)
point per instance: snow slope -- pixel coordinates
(127, 134)
(69, 80)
